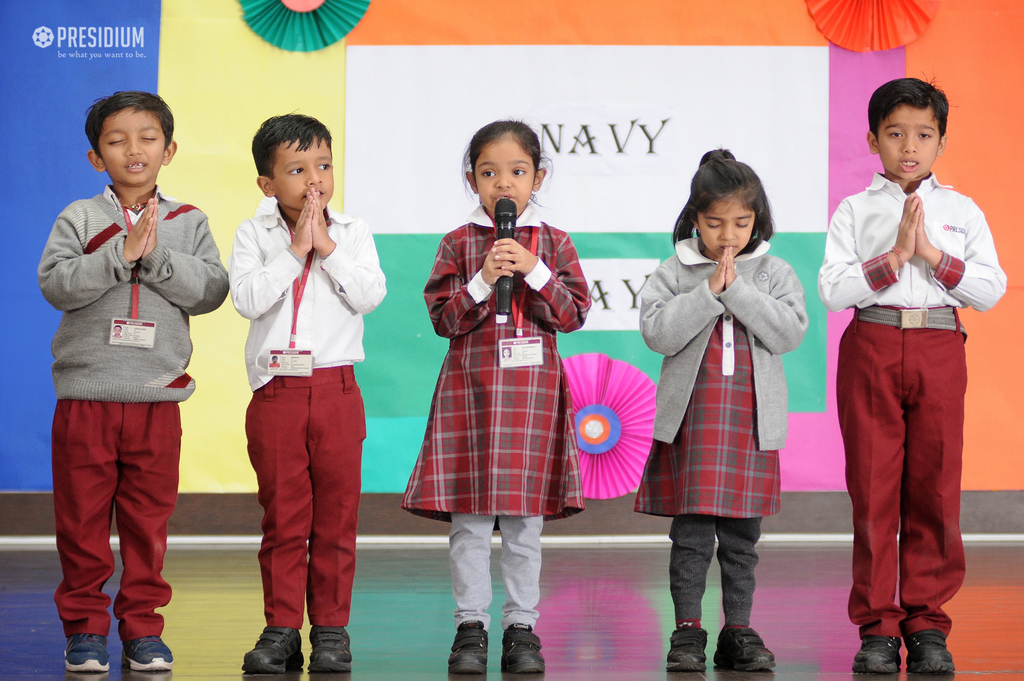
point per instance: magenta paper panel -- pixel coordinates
(813, 459)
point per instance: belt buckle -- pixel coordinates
(914, 319)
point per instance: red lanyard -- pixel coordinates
(135, 270)
(517, 310)
(298, 289)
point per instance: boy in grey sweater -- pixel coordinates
(127, 268)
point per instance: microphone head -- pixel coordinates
(505, 211)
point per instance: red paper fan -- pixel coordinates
(872, 25)
(614, 406)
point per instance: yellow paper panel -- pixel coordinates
(222, 80)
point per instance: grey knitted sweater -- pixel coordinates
(83, 274)
(678, 312)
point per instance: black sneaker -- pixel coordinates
(686, 652)
(877, 655)
(520, 651)
(146, 654)
(927, 653)
(331, 652)
(742, 649)
(469, 651)
(86, 653)
(278, 650)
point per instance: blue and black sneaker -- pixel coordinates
(146, 654)
(86, 653)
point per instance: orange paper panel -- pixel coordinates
(574, 22)
(973, 49)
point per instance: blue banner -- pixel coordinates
(56, 58)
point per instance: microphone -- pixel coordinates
(504, 228)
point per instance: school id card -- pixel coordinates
(523, 351)
(134, 333)
(291, 362)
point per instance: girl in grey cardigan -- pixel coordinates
(722, 312)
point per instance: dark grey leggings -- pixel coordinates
(693, 544)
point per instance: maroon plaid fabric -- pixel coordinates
(713, 467)
(950, 271)
(500, 441)
(879, 272)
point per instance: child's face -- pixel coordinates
(908, 143)
(726, 226)
(132, 150)
(296, 173)
(504, 171)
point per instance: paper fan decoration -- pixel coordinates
(872, 25)
(303, 25)
(614, 406)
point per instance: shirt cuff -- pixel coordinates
(539, 276)
(950, 271)
(478, 288)
(297, 257)
(879, 272)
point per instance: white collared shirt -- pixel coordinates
(112, 197)
(340, 290)
(536, 279)
(865, 226)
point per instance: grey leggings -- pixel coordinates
(693, 544)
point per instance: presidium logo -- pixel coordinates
(75, 39)
(42, 36)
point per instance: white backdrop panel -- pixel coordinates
(624, 127)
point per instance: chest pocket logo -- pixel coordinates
(762, 277)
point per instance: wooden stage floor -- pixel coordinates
(605, 614)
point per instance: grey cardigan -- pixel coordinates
(678, 313)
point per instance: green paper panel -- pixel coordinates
(404, 355)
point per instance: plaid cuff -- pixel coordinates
(879, 272)
(950, 271)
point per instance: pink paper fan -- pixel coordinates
(614, 406)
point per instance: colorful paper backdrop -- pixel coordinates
(402, 95)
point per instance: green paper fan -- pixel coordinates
(303, 31)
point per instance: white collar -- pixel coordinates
(689, 253)
(269, 215)
(880, 183)
(530, 217)
(108, 192)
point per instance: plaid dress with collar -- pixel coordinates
(713, 466)
(500, 441)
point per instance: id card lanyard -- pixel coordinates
(518, 309)
(298, 289)
(135, 269)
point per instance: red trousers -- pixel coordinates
(106, 456)
(305, 443)
(901, 412)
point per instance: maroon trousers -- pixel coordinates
(106, 456)
(305, 443)
(901, 412)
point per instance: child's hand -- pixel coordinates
(514, 256)
(322, 241)
(725, 273)
(928, 253)
(494, 268)
(906, 237)
(302, 238)
(141, 241)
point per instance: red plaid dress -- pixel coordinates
(714, 467)
(500, 441)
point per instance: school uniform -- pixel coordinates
(305, 433)
(721, 416)
(499, 441)
(117, 427)
(901, 397)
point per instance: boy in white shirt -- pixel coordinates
(906, 253)
(304, 275)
